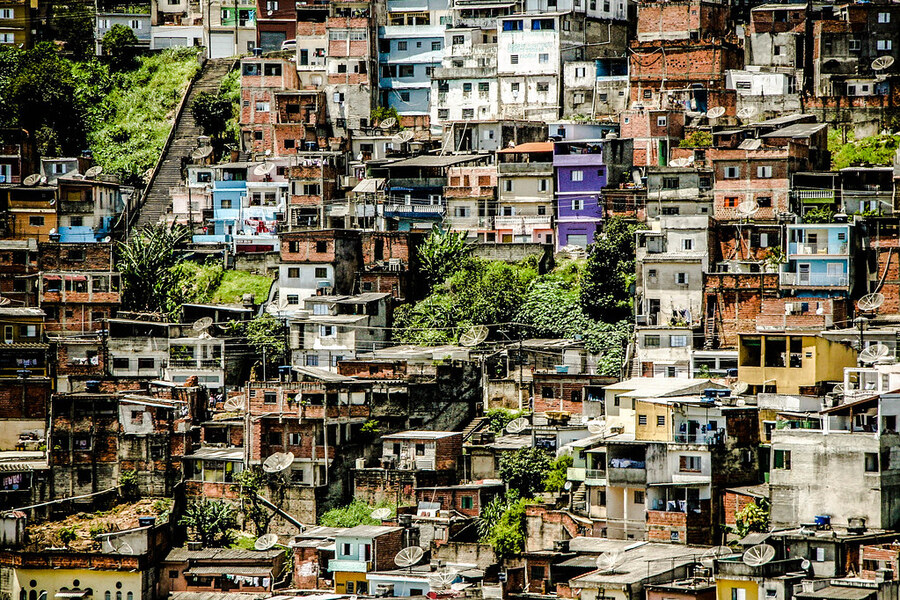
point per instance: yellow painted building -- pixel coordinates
(791, 363)
(653, 421)
(46, 583)
(32, 212)
(736, 589)
(341, 578)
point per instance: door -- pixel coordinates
(221, 44)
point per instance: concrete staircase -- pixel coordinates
(476, 424)
(157, 202)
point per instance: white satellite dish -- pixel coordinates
(278, 462)
(441, 579)
(93, 172)
(118, 546)
(517, 425)
(263, 169)
(596, 426)
(708, 558)
(715, 112)
(473, 336)
(870, 302)
(838, 388)
(567, 486)
(32, 180)
(265, 542)
(680, 162)
(608, 561)
(758, 555)
(380, 514)
(202, 324)
(805, 564)
(739, 387)
(403, 136)
(747, 112)
(201, 153)
(234, 405)
(4, 301)
(408, 556)
(874, 353)
(388, 123)
(748, 208)
(882, 62)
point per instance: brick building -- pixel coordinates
(390, 264)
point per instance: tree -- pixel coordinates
(524, 470)
(119, 43)
(499, 418)
(502, 524)
(146, 263)
(212, 112)
(265, 335)
(211, 522)
(441, 254)
(754, 517)
(381, 113)
(609, 272)
(73, 24)
(252, 482)
(558, 474)
(351, 515)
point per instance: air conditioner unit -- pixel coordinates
(383, 590)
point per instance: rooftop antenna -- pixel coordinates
(870, 302)
(265, 542)
(441, 579)
(202, 324)
(596, 426)
(740, 387)
(380, 514)
(278, 462)
(746, 210)
(408, 557)
(201, 153)
(118, 546)
(517, 425)
(748, 112)
(93, 172)
(838, 388)
(403, 136)
(707, 559)
(473, 336)
(4, 301)
(758, 555)
(681, 162)
(234, 404)
(263, 169)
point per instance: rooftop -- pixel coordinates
(223, 554)
(420, 435)
(368, 531)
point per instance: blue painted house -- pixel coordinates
(818, 259)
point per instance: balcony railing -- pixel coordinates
(815, 279)
(191, 363)
(591, 475)
(813, 249)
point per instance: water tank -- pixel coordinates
(822, 520)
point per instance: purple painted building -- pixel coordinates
(580, 178)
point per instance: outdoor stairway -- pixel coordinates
(157, 202)
(580, 495)
(476, 424)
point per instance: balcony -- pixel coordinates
(349, 566)
(626, 471)
(530, 168)
(576, 473)
(595, 477)
(523, 225)
(806, 249)
(814, 280)
(190, 363)
(707, 439)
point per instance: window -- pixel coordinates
(884, 17)
(764, 172)
(678, 341)
(293, 299)
(443, 114)
(660, 420)
(543, 185)
(468, 113)
(146, 363)
(764, 202)
(776, 51)
(732, 201)
(507, 185)
(513, 59)
(513, 25)
(577, 204)
(120, 363)
(514, 87)
(661, 121)
(885, 45)
(670, 183)
(671, 210)
(293, 272)
(401, 46)
(404, 96)
(738, 594)
(543, 86)
(36, 221)
(732, 172)
(484, 86)
(542, 24)
(542, 210)
(543, 59)
(577, 175)
(782, 459)
(321, 246)
(687, 244)
(681, 278)
(538, 572)
(579, 71)
(651, 341)
(642, 419)
(467, 88)
(6, 13)
(458, 39)
(321, 272)
(638, 496)
(312, 360)
(578, 98)
(689, 464)
(467, 502)
(435, 46)
(262, 107)
(855, 45)
(406, 71)
(871, 460)
(820, 554)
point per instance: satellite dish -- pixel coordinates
(93, 172)
(874, 353)
(278, 462)
(740, 402)
(474, 336)
(739, 387)
(680, 162)
(403, 136)
(265, 542)
(32, 180)
(608, 561)
(233, 405)
(758, 555)
(805, 564)
(517, 425)
(388, 123)
(748, 208)
(709, 556)
(380, 514)
(201, 153)
(715, 112)
(263, 169)
(441, 579)
(882, 62)
(838, 388)
(870, 302)
(4, 301)
(596, 426)
(408, 556)
(52, 200)
(202, 324)
(747, 112)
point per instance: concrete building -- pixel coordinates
(464, 86)
(136, 20)
(525, 196)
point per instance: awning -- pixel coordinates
(52, 277)
(76, 278)
(369, 186)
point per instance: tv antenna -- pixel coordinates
(838, 388)
(408, 557)
(757, 556)
(202, 324)
(870, 302)
(882, 62)
(747, 209)
(596, 426)
(32, 180)
(708, 558)
(234, 404)
(748, 112)
(681, 162)
(4, 301)
(278, 462)
(201, 153)
(441, 579)
(517, 425)
(473, 336)
(265, 542)
(263, 169)
(740, 387)
(380, 514)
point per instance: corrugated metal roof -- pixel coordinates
(259, 571)
(222, 554)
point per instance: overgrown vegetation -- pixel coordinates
(499, 418)
(502, 523)
(696, 139)
(754, 517)
(557, 475)
(148, 263)
(524, 470)
(212, 522)
(351, 515)
(873, 150)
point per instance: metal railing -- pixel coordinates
(815, 279)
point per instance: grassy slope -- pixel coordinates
(875, 150)
(234, 284)
(139, 111)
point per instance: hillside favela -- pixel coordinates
(449, 300)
